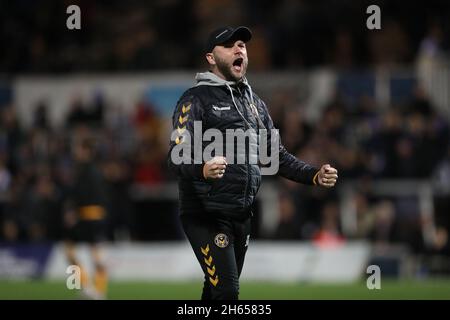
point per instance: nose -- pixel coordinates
(238, 49)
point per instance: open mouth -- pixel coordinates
(237, 64)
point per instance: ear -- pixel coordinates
(210, 58)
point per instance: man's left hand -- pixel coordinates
(327, 176)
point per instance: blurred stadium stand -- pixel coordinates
(374, 104)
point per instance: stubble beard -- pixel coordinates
(225, 69)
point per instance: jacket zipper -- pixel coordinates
(244, 109)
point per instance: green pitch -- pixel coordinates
(390, 289)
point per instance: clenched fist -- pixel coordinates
(327, 176)
(214, 168)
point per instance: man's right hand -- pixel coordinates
(215, 168)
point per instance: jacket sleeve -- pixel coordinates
(290, 167)
(187, 111)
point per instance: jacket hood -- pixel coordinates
(210, 79)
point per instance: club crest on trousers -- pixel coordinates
(221, 240)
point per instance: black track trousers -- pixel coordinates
(220, 246)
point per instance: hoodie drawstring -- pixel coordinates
(235, 105)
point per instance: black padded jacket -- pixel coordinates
(219, 104)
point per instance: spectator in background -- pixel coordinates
(430, 58)
(87, 114)
(85, 218)
(441, 174)
(42, 209)
(97, 110)
(40, 119)
(120, 208)
(288, 223)
(148, 164)
(382, 230)
(5, 175)
(441, 178)
(15, 222)
(329, 234)
(441, 243)
(12, 137)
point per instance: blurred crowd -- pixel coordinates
(37, 166)
(364, 140)
(366, 143)
(170, 34)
